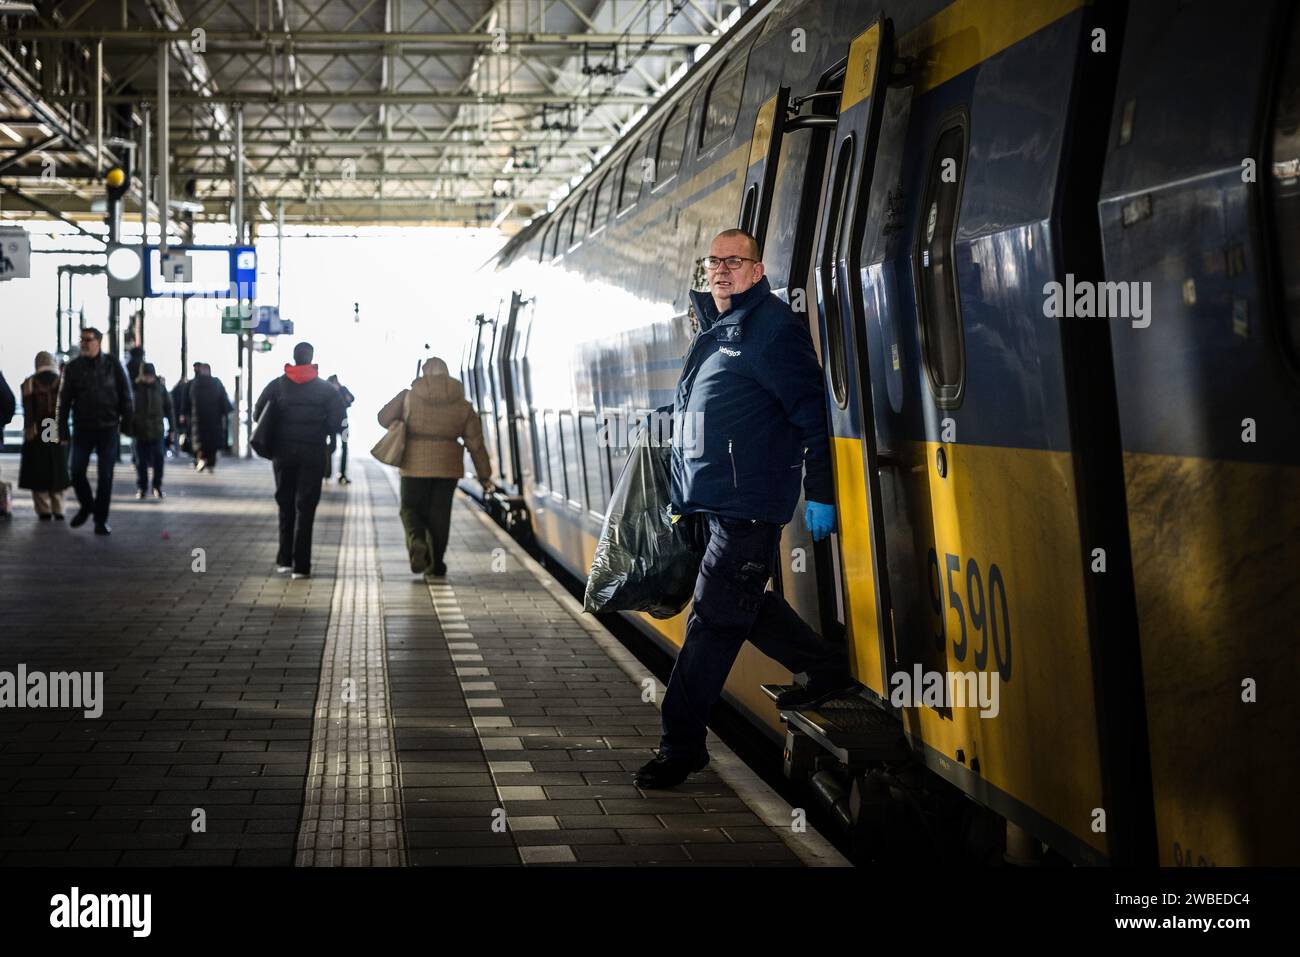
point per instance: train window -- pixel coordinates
(581, 213)
(934, 267)
(600, 211)
(553, 240)
(836, 214)
(593, 454)
(631, 187)
(723, 103)
(546, 238)
(1285, 189)
(539, 451)
(672, 141)
(554, 453)
(572, 463)
(748, 208)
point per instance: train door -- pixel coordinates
(507, 411)
(1200, 212)
(860, 592)
(503, 328)
(521, 384)
(482, 399)
(992, 457)
(779, 206)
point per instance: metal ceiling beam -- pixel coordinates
(392, 175)
(374, 96)
(362, 143)
(37, 204)
(302, 39)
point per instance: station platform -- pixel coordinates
(361, 717)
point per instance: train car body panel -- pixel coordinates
(1207, 393)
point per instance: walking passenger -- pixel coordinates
(208, 407)
(152, 404)
(307, 412)
(752, 382)
(97, 396)
(348, 399)
(438, 418)
(44, 466)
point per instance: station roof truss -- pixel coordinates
(464, 112)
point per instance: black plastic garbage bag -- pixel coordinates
(643, 561)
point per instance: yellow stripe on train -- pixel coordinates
(994, 543)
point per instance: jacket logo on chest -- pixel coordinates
(728, 352)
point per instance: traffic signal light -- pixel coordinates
(117, 180)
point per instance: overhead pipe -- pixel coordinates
(164, 124)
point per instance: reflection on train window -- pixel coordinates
(612, 423)
(593, 454)
(631, 187)
(601, 212)
(723, 103)
(671, 143)
(581, 213)
(572, 464)
(782, 234)
(539, 453)
(748, 208)
(552, 239)
(934, 268)
(555, 458)
(489, 441)
(1285, 187)
(837, 214)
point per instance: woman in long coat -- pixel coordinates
(438, 418)
(44, 465)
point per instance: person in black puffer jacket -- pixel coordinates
(97, 396)
(307, 411)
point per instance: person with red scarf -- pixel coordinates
(307, 410)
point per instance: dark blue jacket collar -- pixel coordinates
(741, 304)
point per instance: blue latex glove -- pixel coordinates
(819, 519)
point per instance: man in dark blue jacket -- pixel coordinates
(750, 420)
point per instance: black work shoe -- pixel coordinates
(668, 772)
(46, 516)
(419, 557)
(816, 692)
(103, 528)
(439, 569)
(58, 516)
(80, 518)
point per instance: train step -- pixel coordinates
(851, 728)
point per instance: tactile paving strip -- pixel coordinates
(352, 806)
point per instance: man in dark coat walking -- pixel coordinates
(97, 396)
(307, 411)
(208, 406)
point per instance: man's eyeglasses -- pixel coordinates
(733, 262)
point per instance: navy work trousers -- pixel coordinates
(731, 605)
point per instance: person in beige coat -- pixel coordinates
(438, 419)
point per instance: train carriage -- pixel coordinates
(1052, 504)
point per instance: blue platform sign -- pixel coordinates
(209, 272)
(267, 322)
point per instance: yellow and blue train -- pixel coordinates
(1049, 252)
